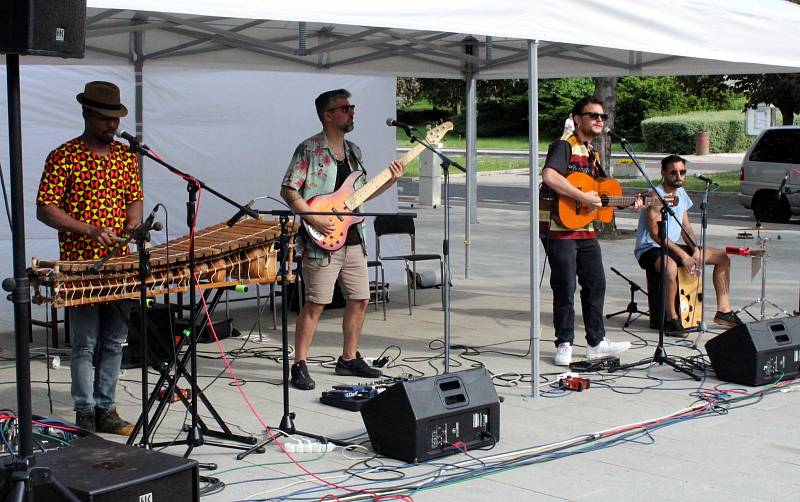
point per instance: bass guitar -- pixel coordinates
(574, 215)
(344, 201)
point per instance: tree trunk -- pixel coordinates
(605, 89)
(788, 115)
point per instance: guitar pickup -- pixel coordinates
(341, 218)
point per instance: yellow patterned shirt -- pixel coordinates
(92, 188)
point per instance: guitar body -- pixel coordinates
(574, 215)
(344, 201)
(334, 202)
(689, 294)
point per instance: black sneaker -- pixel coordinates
(729, 319)
(300, 377)
(108, 421)
(356, 367)
(85, 420)
(673, 327)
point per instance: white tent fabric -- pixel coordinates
(234, 129)
(577, 37)
(454, 39)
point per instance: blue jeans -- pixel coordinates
(98, 333)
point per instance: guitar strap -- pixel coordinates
(596, 161)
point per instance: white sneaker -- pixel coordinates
(563, 355)
(606, 348)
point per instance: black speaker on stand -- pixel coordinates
(432, 417)
(757, 353)
(43, 27)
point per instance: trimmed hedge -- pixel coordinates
(676, 133)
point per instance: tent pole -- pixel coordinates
(471, 206)
(533, 134)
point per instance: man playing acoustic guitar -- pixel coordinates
(573, 251)
(320, 165)
(648, 252)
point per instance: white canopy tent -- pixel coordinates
(464, 39)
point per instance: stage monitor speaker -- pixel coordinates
(97, 470)
(418, 420)
(757, 353)
(43, 27)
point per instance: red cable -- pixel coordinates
(267, 429)
(247, 400)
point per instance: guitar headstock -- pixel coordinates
(436, 134)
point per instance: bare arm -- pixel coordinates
(561, 186)
(396, 168)
(295, 201)
(55, 217)
(653, 216)
(134, 216)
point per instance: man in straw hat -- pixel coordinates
(91, 192)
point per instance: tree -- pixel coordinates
(779, 89)
(605, 89)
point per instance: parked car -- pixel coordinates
(770, 175)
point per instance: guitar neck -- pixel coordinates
(361, 195)
(619, 201)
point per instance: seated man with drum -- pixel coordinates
(648, 252)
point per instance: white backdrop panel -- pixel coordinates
(234, 129)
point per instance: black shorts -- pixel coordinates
(651, 256)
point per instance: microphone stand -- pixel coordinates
(287, 419)
(195, 434)
(701, 326)
(660, 355)
(446, 163)
(142, 235)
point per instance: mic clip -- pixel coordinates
(241, 213)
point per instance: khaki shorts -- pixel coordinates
(348, 265)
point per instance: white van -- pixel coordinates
(770, 175)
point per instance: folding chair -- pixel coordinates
(400, 225)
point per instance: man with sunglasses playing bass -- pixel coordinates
(648, 252)
(573, 251)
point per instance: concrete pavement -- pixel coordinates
(745, 453)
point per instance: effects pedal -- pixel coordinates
(349, 397)
(577, 384)
(605, 363)
(162, 394)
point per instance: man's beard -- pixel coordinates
(349, 127)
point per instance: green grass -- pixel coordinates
(484, 164)
(504, 143)
(728, 182)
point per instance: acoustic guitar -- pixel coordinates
(574, 215)
(344, 201)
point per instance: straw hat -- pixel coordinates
(102, 97)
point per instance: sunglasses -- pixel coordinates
(344, 108)
(595, 115)
(675, 172)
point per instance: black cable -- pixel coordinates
(212, 485)
(5, 197)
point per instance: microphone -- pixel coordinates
(148, 222)
(407, 128)
(782, 187)
(615, 135)
(239, 214)
(131, 139)
(705, 179)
